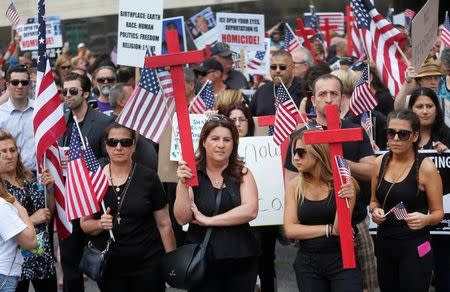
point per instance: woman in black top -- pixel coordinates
(434, 133)
(404, 257)
(232, 251)
(137, 213)
(310, 217)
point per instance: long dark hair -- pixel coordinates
(248, 115)
(235, 163)
(438, 124)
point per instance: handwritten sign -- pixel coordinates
(29, 33)
(197, 122)
(241, 31)
(263, 157)
(139, 29)
(424, 29)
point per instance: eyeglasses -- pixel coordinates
(300, 152)
(403, 135)
(72, 90)
(107, 80)
(125, 142)
(16, 82)
(281, 66)
(203, 74)
(240, 119)
(64, 67)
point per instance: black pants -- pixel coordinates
(44, 285)
(267, 237)
(323, 272)
(236, 275)
(441, 251)
(71, 252)
(399, 266)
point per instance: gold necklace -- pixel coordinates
(116, 190)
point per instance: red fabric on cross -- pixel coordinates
(335, 137)
(175, 59)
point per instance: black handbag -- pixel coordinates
(93, 262)
(185, 266)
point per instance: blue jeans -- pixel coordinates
(10, 284)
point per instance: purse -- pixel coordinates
(185, 266)
(93, 262)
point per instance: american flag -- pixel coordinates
(445, 33)
(409, 15)
(151, 106)
(49, 125)
(256, 61)
(390, 15)
(357, 46)
(344, 169)
(399, 211)
(204, 100)
(334, 18)
(286, 116)
(315, 20)
(98, 178)
(291, 42)
(378, 37)
(12, 14)
(81, 197)
(362, 97)
(366, 124)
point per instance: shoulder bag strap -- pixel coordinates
(216, 210)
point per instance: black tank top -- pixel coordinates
(405, 191)
(318, 213)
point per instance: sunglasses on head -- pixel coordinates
(217, 117)
(72, 90)
(281, 66)
(125, 142)
(403, 135)
(65, 67)
(300, 152)
(16, 82)
(108, 80)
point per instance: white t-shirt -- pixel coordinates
(10, 226)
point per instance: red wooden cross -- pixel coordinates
(335, 137)
(301, 31)
(327, 28)
(175, 59)
(349, 19)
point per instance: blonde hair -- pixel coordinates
(322, 168)
(228, 97)
(348, 78)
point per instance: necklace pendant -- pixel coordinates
(117, 189)
(119, 219)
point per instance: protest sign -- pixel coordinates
(241, 31)
(442, 162)
(258, 62)
(202, 28)
(176, 23)
(139, 29)
(29, 33)
(263, 157)
(424, 32)
(197, 122)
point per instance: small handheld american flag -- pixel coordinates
(344, 172)
(399, 211)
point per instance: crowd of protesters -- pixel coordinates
(403, 256)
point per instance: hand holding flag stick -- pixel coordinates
(84, 147)
(344, 174)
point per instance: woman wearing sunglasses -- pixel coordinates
(402, 178)
(232, 250)
(310, 217)
(138, 216)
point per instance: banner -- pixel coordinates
(197, 122)
(241, 31)
(29, 34)
(139, 29)
(442, 162)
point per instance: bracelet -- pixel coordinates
(331, 229)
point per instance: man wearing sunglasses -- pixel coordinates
(281, 68)
(76, 90)
(16, 115)
(212, 70)
(104, 79)
(327, 90)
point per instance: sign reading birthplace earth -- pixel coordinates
(139, 29)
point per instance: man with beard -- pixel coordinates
(92, 123)
(281, 68)
(104, 79)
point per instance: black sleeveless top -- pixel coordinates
(320, 212)
(406, 191)
(226, 242)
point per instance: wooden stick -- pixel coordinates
(402, 54)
